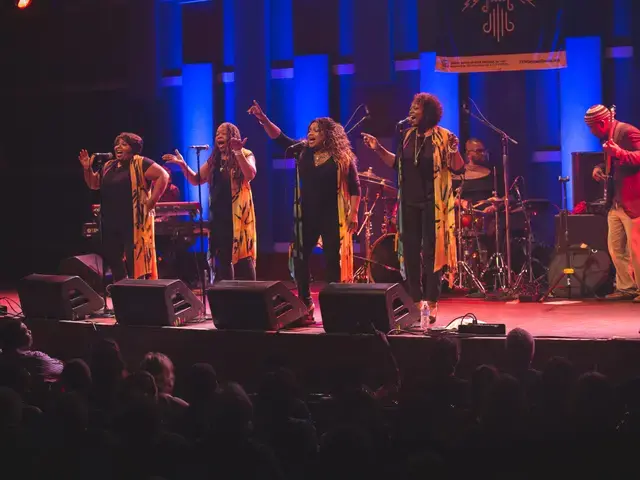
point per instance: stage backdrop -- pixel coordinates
(500, 35)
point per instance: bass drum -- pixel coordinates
(385, 266)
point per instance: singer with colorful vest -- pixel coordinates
(621, 174)
(425, 160)
(127, 203)
(229, 171)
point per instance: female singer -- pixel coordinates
(326, 199)
(425, 160)
(229, 169)
(127, 206)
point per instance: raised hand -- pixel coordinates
(85, 160)
(454, 143)
(236, 144)
(370, 141)
(175, 158)
(257, 112)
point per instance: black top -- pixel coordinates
(322, 196)
(220, 212)
(417, 180)
(476, 189)
(116, 192)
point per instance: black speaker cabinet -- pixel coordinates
(594, 273)
(60, 297)
(248, 305)
(357, 307)
(88, 267)
(588, 229)
(584, 187)
(154, 302)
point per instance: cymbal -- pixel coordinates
(531, 205)
(491, 200)
(371, 178)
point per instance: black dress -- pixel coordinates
(319, 198)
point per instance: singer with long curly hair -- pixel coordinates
(425, 160)
(229, 171)
(130, 186)
(326, 199)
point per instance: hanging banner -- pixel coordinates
(500, 35)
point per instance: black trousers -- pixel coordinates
(245, 269)
(314, 226)
(419, 241)
(117, 251)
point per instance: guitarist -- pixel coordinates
(621, 143)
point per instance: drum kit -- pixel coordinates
(482, 268)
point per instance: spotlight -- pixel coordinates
(22, 4)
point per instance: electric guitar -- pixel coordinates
(607, 157)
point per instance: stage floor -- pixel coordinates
(561, 318)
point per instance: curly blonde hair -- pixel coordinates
(336, 142)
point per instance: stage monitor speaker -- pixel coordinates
(593, 273)
(163, 302)
(587, 229)
(249, 305)
(88, 267)
(60, 297)
(584, 187)
(357, 307)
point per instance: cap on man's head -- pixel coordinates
(596, 114)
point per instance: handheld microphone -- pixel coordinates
(200, 147)
(107, 155)
(402, 123)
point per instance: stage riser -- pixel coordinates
(318, 360)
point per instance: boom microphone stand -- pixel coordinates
(505, 166)
(198, 149)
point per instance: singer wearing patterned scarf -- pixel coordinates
(229, 171)
(127, 206)
(326, 199)
(427, 157)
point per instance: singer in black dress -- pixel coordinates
(127, 203)
(326, 199)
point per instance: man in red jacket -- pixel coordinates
(623, 199)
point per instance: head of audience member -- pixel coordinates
(520, 349)
(15, 336)
(233, 412)
(481, 380)
(444, 357)
(277, 394)
(201, 385)
(558, 378)
(593, 403)
(505, 405)
(161, 367)
(76, 376)
(139, 385)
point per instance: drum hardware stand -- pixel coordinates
(363, 274)
(463, 267)
(499, 283)
(505, 166)
(568, 272)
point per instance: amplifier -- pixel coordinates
(588, 229)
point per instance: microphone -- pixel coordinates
(465, 107)
(366, 111)
(402, 123)
(297, 147)
(200, 147)
(105, 156)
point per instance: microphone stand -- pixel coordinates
(359, 122)
(106, 312)
(201, 274)
(505, 166)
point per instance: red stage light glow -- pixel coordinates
(23, 3)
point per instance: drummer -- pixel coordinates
(478, 180)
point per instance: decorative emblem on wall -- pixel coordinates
(498, 14)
